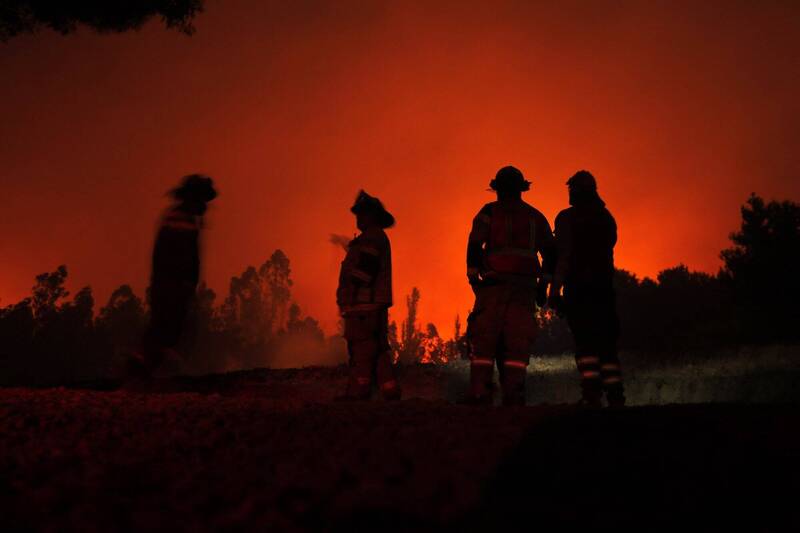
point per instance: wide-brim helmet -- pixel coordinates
(509, 179)
(582, 182)
(197, 187)
(369, 204)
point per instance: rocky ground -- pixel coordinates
(272, 450)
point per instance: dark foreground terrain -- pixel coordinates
(271, 450)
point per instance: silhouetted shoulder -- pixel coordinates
(487, 209)
(484, 216)
(564, 215)
(374, 237)
(538, 215)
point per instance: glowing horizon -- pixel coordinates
(680, 113)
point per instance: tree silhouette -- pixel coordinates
(47, 292)
(434, 347)
(761, 267)
(456, 348)
(410, 345)
(258, 300)
(49, 338)
(121, 321)
(205, 312)
(17, 327)
(64, 16)
(304, 327)
(244, 310)
(276, 280)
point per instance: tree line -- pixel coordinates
(51, 336)
(753, 299)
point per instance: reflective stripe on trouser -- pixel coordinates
(588, 366)
(592, 318)
(589, 369)
(369, 354)
(502, 329)
(611, 372)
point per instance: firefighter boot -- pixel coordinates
(615, 396)
(591, 385)
(591, 393)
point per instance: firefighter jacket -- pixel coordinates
(176, 255)
(365, 279)
(506, 240)
(585, 237)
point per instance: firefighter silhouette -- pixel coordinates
(503, 266)
(364, 296)
(586, 234)
(175, 272)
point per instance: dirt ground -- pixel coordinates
(272, 450)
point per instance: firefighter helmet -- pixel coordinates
(509, 179)
(365, 203)
(582, 182)
(195, 187)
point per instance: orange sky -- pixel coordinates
(679, 110)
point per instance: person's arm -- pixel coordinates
(478, 237)
(564, 244)
(546, 246)
(547, 249)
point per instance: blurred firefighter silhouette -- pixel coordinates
(364, 296)
(175, 273)
(503, 266)
(586, 234)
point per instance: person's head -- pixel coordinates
(194, 193)
(366, 220)
(370, 213)
(582, 188)
(509, 183)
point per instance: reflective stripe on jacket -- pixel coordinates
(507, 238)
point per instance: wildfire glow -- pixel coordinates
(294, 108)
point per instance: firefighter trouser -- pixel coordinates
(367, 338)
(592, 318)
(501, 328)
(169, 307)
